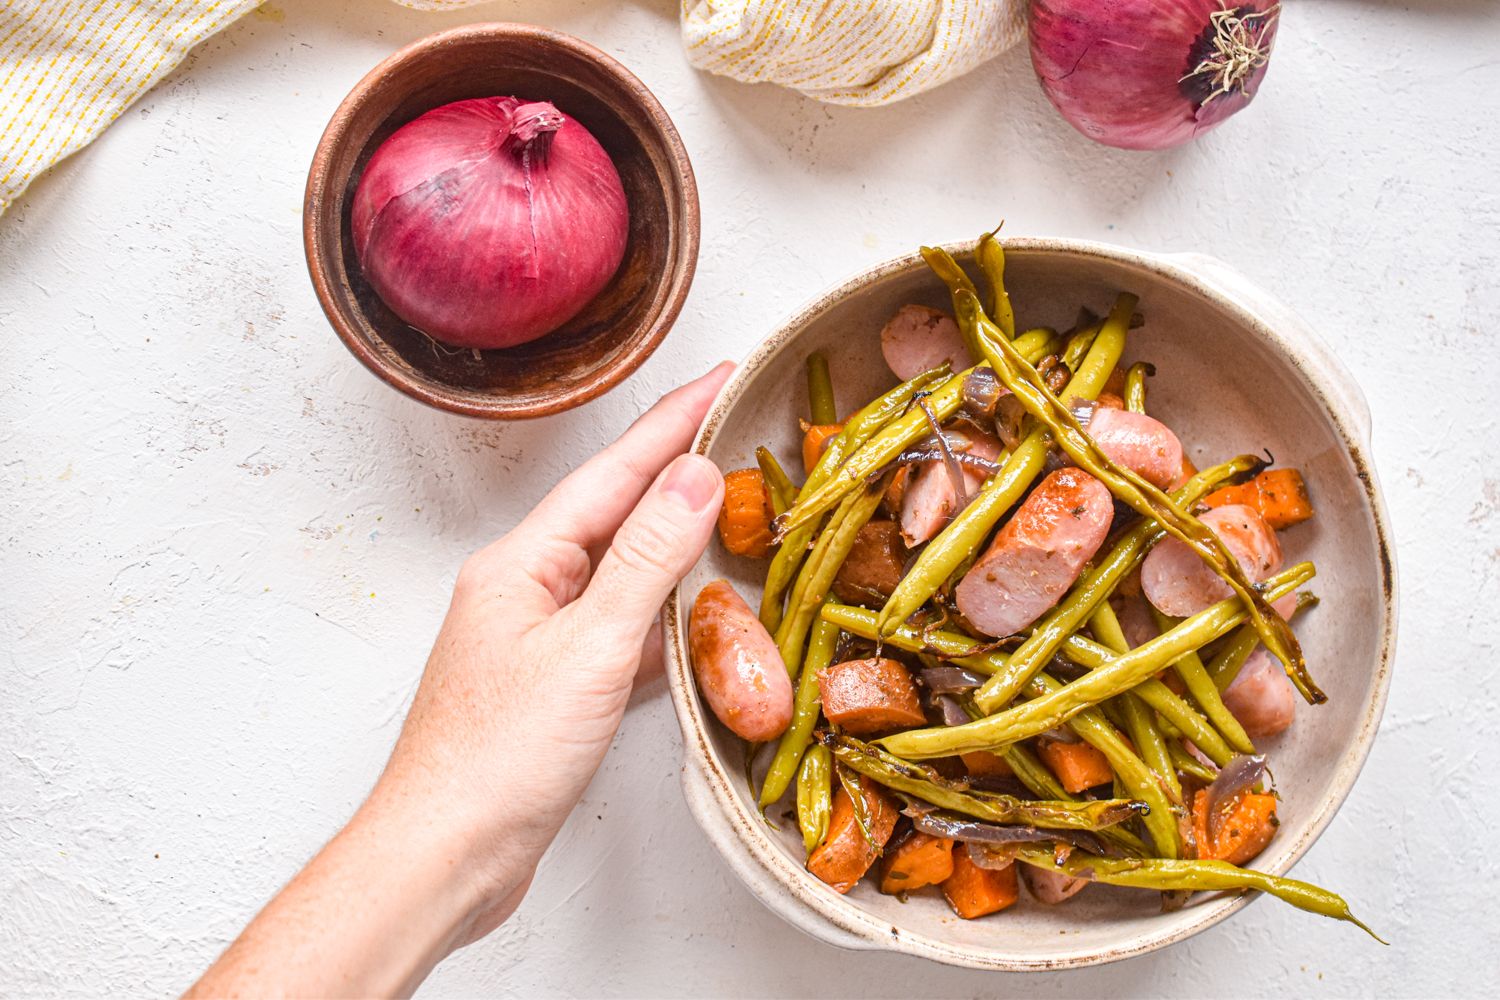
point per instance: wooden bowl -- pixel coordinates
(1237, 372)
(618, 330)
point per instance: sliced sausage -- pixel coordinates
(919, 338)
(739, 670)
(873, 567)
(1038, 554)
(1051, 886)
(930, 501)
(1136, 621)
(1179, 583)
(1261, 696)
(870, 696)
(845, 855)
(1142, 444)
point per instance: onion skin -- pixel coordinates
(1116, 69)
(490, 222)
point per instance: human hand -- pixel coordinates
(524, 689)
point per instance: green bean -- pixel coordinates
(818, 572)
(1178, 718)
(877, 452)
(1077, 345)
(1200, 686)
(1135, 386)
(951, 274)
(814, 795)
(991, 257)
(1120, 674)
(782, 491)
(929, 786)
(805, 709)
(857, 430)
(1091, 726)
(1188, 764)
(1226, 664)
(1095, 587)
(1135, 717)
(972, 526)
(1053, 414)
(820, 390)
(1035, 345)
(1194, 876)
(854, 784)
(1032, 773)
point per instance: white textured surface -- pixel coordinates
(226, 547)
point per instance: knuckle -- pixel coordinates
(647, 546)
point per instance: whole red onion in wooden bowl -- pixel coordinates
(489, 222)
(390, 313)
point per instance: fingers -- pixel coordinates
(654, 547)
(589, 505)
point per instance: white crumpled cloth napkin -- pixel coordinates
(68, 68)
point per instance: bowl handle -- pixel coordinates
(1280, 317)
(750, 869)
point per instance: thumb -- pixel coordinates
(654, 548)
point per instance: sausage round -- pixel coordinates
(1050, 886)
(1261, 696)
(739, 670)
(869, 696)
(1179, 583)
(930, 501)
(1038, 554)
(1142, 444)
(919, 338)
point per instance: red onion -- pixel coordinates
(1239, 774)
(951, 680)
(1148, 74)
(489, 222)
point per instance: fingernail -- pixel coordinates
(692, 480)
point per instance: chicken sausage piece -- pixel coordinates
(930, 501)
(1179, 583)
(919, 338)
(870, 696)
(1039, 553)
(739, 670)
(1142, 444)
(1049, 886)
(1261, 696)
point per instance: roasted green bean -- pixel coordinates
(1135, 717)
(821, 406)
(1188, 764)
(1226, 664)
(859, 428)
(929, 786)
(817, 574)
(1040, 781)
(1194, 876)
(1135, 386)
(854, 784)
(1115, 677)
(814, 795)
(1036, 344)
(1200, 687)
(783, 493)
(805, 708)
(1032, 393)
(877, 452)
(991, 257)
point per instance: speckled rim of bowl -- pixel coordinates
(436, 394)
(795, 895)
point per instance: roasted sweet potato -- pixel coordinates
(845, 855)
(745, 518)
(1247, 826)
(973, 891)
(918, 861)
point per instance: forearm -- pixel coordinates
(370, 915)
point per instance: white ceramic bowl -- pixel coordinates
(1236, 372)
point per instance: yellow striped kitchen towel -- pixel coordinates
(68, 68)
(860, 52)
